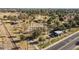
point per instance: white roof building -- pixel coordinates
(58, 32)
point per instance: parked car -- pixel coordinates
(77, 43)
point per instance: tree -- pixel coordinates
(62, 27)
(57, 23)
(22, 16)
(13, 18)
(72, 23)
(61, 19)
(22, 37)
(76, 19)
(41, 39)
(67, 25)
(36, 33)
(49, 21)
(4, 16)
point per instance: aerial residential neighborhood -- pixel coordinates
(39, 29)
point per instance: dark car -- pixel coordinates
(53, 34)
(77, 43)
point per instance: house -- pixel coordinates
(58, 32)
(55, 33)
(16, 40)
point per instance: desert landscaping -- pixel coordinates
(35, 29)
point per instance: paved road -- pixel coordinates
(71, 45)
(64, 42)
